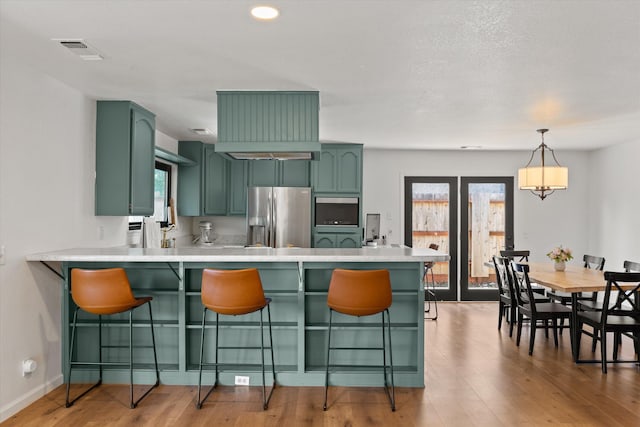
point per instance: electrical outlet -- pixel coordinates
(241, 380)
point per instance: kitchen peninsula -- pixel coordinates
(296, 279)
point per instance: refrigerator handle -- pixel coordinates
(267, 225)
(274, 220)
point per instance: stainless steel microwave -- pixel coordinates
(337, 211)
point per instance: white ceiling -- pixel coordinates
(391, 74)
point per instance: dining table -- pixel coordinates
(574, 279)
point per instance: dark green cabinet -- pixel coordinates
(322, 240)
(279, 173)
(215, 182)
(339, 169)
(337, 240)
(213, 185)
(125, 159)
(237, 188)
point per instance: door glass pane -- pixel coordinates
(486, 227)
(430, 219)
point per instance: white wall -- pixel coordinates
(614, 206)
(47, 151)
(47, 169)
(562, 218)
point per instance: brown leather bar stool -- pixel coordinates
(106, 292)
(361, 293)
(233, 293)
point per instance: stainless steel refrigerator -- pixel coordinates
(279, 217)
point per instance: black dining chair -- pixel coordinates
(596, 305)
(535, 311)
(631, 267)
(522, 255)
(512, 254)
(507, 304)
(507, 296)
(620, 314)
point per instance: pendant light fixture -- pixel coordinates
(543, 179)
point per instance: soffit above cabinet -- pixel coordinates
(172, 157)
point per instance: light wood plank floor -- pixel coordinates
(475, 376)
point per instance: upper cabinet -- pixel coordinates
(213, 185)
(237, 189)
(279, 173)
(339, 169)
(125, 159)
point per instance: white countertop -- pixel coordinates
(226, 254)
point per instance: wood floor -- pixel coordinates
(475, 376)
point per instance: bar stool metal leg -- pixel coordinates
(390, 391)
(326, 372)
(133, 403)
(69, 403)
(265, 398)
(391, 395)
(430, 293)
(215, 382)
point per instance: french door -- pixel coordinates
(486, 228)
(431, 217)
(485, 208)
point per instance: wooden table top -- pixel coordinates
(575, 278)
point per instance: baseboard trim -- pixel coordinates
(28, 398)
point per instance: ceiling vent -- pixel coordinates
(80, 48)
(202, 131)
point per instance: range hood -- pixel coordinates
(269, 150)
(272, 125)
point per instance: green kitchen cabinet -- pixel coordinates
(324, 240)
(237, 188)
(279, 173)
(339, 169)
(215, 182)
(263, 173)
(351, 240)
(125, 159)
(213, 185)
(337, 240)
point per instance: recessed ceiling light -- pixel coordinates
(203, 131)
(264, 12)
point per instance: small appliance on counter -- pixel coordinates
(166, 242)
(207, 236)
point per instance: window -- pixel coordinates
(161, 196)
